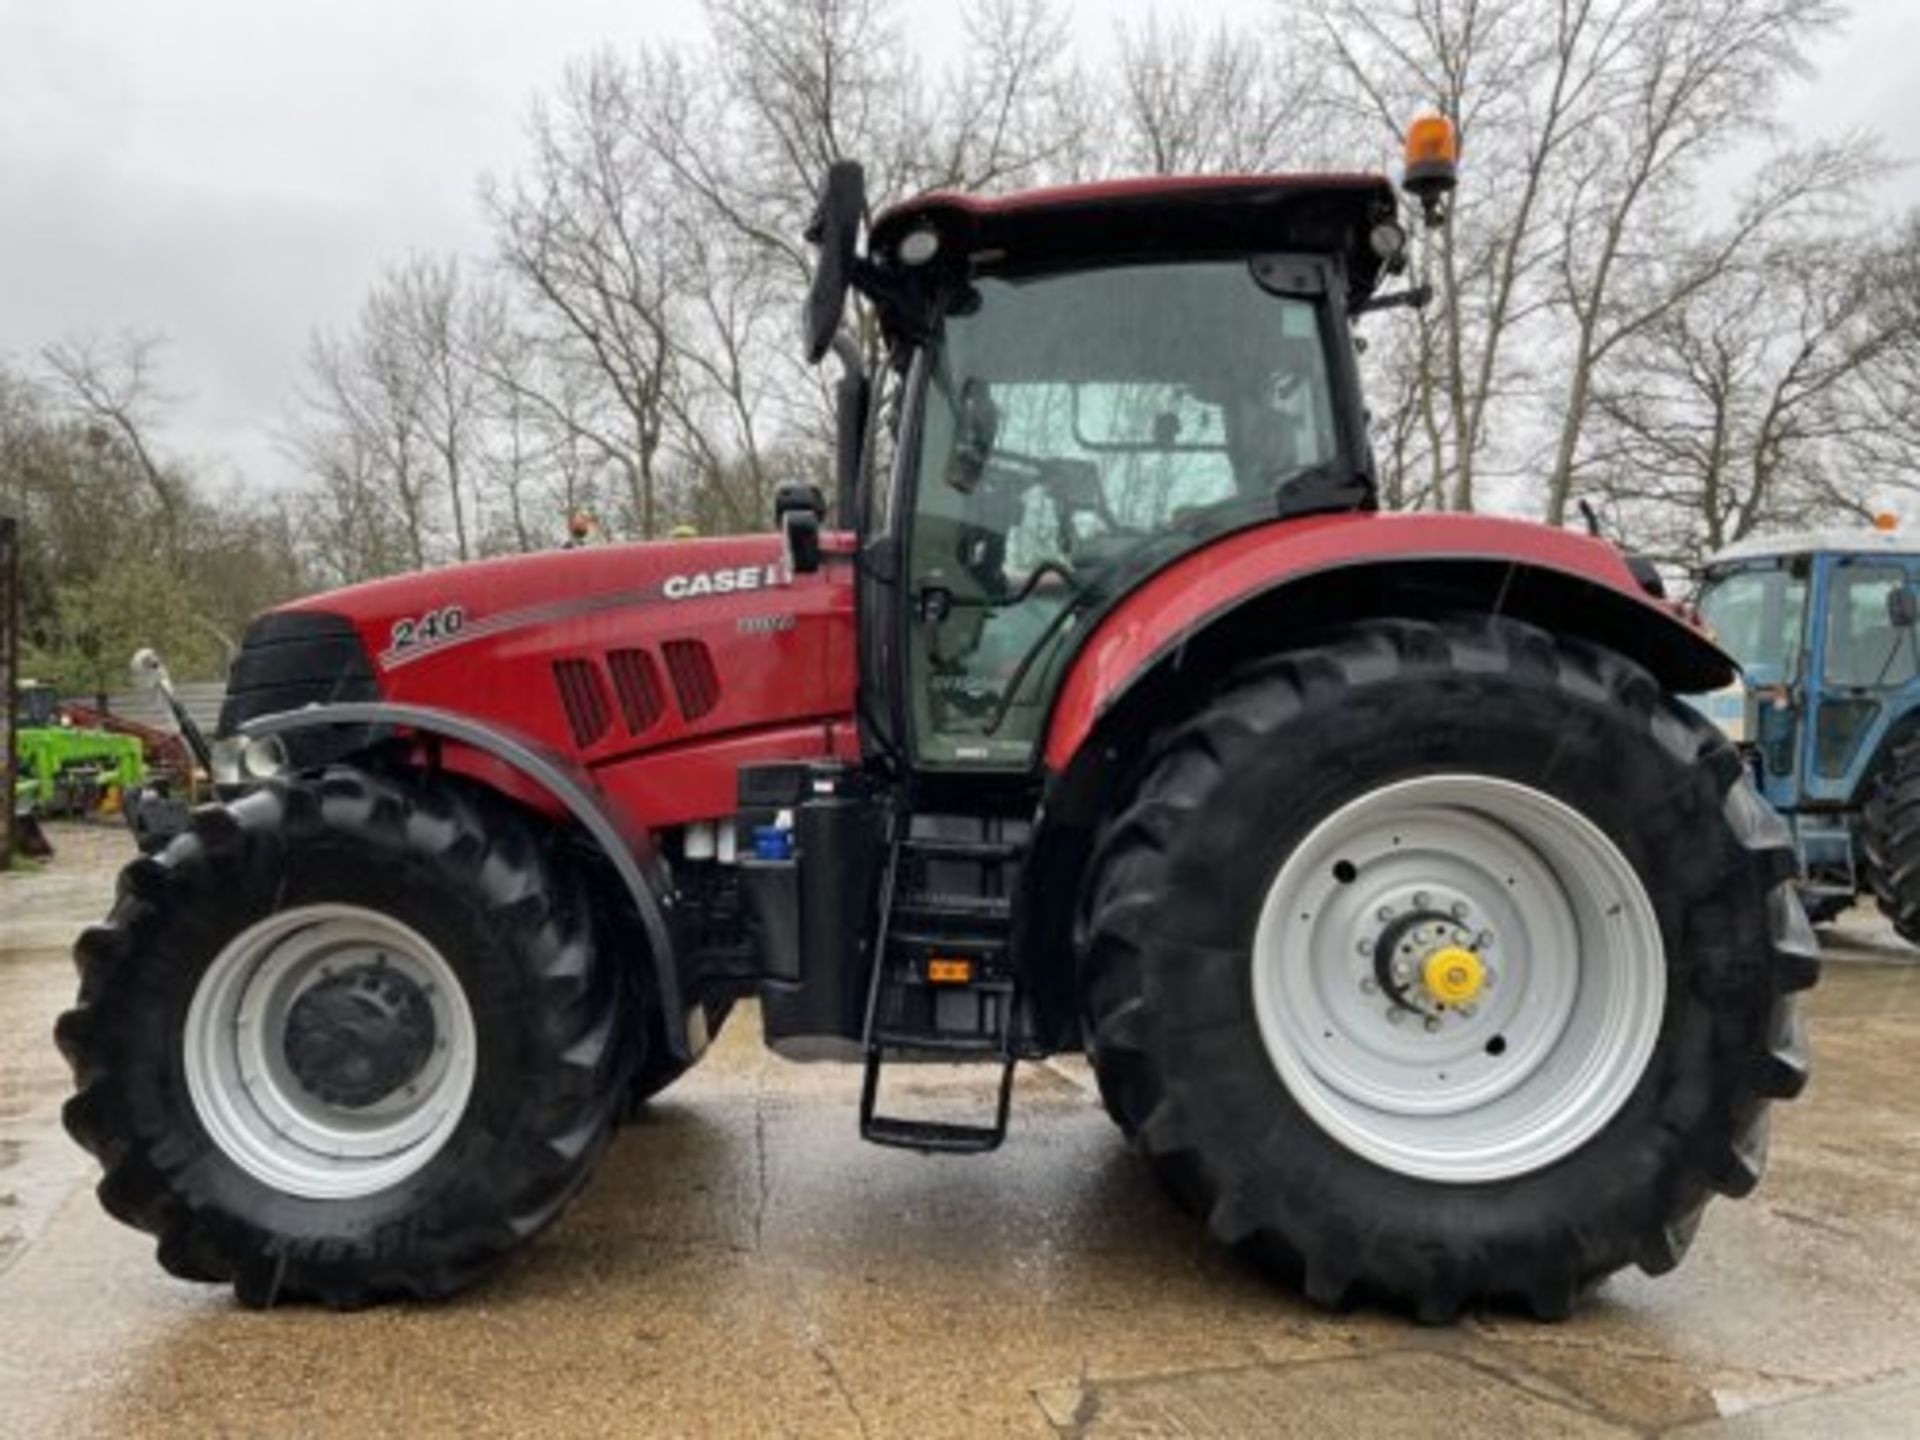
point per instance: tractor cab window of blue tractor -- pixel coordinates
(1865, 649)
(1078, 429)
(1757, 614)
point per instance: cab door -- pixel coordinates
(1864, 655)
(880, 591)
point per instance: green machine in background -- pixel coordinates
(63, 769)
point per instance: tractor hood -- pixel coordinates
(408, 618)
(598, 652)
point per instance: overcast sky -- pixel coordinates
(234, 173)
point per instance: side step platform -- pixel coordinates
(942, 984)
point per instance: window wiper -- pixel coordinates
(1019, 597)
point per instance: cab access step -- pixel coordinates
(942, 984)
(885, 936)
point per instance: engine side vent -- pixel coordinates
(584, 699)
(636, 683)
(695, 684)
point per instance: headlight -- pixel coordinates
(238, 759)
(263, 757)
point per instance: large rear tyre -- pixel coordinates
(348, 1038)
(1447, 962)
(1891, 835)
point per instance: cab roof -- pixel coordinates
(1854, 541)
(1190, 215)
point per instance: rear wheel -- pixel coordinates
(1891, 833)
(348, 1038)
(1447, 962)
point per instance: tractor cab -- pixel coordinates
(1823, 625)
(1082, 386)
(1076, 413)
(37, 706)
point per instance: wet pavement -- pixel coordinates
(743, 1265)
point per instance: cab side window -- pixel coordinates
(1864, 647)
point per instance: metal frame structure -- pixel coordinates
(9, 678)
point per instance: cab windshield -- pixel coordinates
(1757, 614)
(1077, 430)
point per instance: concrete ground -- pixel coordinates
(742, 1265)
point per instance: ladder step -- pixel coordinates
(937, 1044)
(978, 947)
(932, 1136)
(939, 915)
(972, 909)
(934, 847)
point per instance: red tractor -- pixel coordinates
(1420, 939)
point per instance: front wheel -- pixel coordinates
(347, 1038)
(1446, 962)
(1891, 838)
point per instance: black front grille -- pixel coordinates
(291, 659)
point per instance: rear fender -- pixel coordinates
(1258, 591)
(627, 847)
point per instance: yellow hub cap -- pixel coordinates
(1454, 975)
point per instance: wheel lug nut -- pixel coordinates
(1364, 947)
(1419, 899)
(1432, 1024)
(1459, 910)
(1368, 985)
(1385, 912)
(1395, 1016)
(1483, 941)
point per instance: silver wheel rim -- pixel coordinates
(1542, 1054)
(242, 1083)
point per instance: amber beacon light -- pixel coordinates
(1432, 165)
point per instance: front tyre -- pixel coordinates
(1891, 836)
(1447, 962)
(348, 1038)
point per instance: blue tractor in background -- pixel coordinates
(1824, 626)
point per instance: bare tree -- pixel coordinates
(1734, 409)
(1584, 123)
(421, 311)
(583, 237)
(1697, 77)
(113, 386)
(365, 418)
(1192, 100)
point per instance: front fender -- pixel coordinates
(626, 848)
(1296, 576)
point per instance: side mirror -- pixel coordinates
(797, 510)
(834, 229)
(1903, 607)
